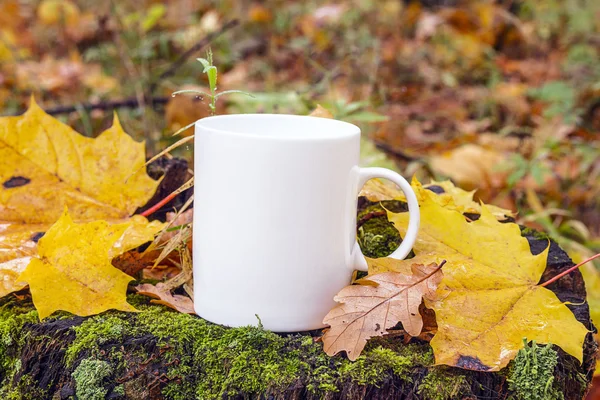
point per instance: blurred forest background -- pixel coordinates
(499, 96)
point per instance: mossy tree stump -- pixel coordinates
(158, 353)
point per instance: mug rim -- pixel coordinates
(337, 129)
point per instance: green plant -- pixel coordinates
(521, 167)
(211, 72)
(353, 111)
(561, 98)
(532, 374)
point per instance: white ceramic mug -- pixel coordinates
(275, 200)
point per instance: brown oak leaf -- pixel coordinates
(376, 304)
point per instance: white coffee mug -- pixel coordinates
(275, 200)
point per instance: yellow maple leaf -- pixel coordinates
(73, 270)
(492, 297)
(45, 165)
(452, 197)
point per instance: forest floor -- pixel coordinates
(502, 97)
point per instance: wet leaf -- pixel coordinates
(62, 168)
(376, 304)
(491, 295)
(18, 243)
(448, 196)
(73, 270)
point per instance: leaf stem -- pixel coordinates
(159, 205)
(573, 268)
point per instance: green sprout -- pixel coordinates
(211, 72)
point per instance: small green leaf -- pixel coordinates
(367, 116)
(212, 77)
(204, 63)
(194, 91)
(232, 91)
(516, 176)
(538, 171)
(354, 107)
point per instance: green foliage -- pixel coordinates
(521, 167)
(355, 111)
(555, 17)
(89, 376)
(441, 383)
(561, 98)
(531, 375)
(12, 319)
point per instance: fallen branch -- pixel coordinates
(103, 105)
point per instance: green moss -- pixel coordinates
(25, 389)
(376, 365)
(94, 332)
(204, 360)
(214, 362)
(223, 362)
(531, 374)
(534, 233)
(378, 238)
(89, 377)
(120, 390)
(440, 383)
(12, 318)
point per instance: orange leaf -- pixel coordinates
(177, 302)
(376, 304)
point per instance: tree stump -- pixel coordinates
(161, 354)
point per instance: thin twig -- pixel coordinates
(573, 268)
(103, 105)
(167, 199)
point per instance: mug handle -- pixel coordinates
(408, 241)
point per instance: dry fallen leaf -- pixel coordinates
(177, 302)
(376, 304)
(45, 165)
(321, 112)
(73, 270)
(175, 220)
(492, 298)
(471, 166)
(57, 12)
(183, 110)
